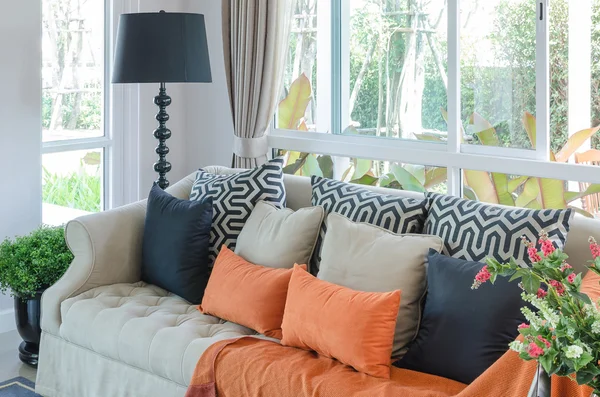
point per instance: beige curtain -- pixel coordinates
(255, 42)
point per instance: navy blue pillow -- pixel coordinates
(175, 245)
(463, 331)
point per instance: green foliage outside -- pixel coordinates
(89, 116)
(33, 262)
(77, 190)
(486, 86)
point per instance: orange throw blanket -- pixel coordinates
(253, 367)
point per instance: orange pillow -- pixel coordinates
(247, 294)
(356, 328)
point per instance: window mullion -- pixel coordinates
(542, 82)
(454, 101)
(336, 66)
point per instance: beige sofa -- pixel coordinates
(107, 334)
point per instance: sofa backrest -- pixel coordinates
(299, 192)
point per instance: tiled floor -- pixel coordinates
(10, 365)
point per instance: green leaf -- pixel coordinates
(366, 180)
(484, 130)
(92, 158)
(469, 193)
(515, 183)
(581, 296)
(292, 108)
(435, 176)
(418, 171)
(406, 179)
(530, 283)
(592, 189)
(297, 164)
(326, 165)
(481, 183)
(530, 126)
(501, 183)
(350, 130)
(361, 167)
(387, 179)
(547, 361)
(584, 377)
(583, 360)
(531, 190)
(311, 166)
(428, 137)
(574, 143)
(552, 193)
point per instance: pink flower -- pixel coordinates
(541, 293)
(547, 247)
(560, 289)
(565, 267)
(571, 277)
(544, 341)
(533, 254)
(481, 277)
(594, 247)
(534, 350)
(523, 326)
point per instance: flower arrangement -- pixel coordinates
(563, 334)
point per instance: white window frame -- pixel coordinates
(453, 155)
(114, 123)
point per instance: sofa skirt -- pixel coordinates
(68, 370)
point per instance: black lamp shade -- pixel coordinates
(161, 47)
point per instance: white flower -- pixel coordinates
(532, 318)
(516, 346)
(573, 351)
(551, 316)
(596, 327)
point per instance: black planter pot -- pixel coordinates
(27, 316)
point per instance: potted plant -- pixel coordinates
(28, 266)
(562, 334)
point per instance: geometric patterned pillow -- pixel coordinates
(234, 197)
(474, 231)
(399, 215)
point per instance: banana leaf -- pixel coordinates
(292, 108)
(574, 143)
(406, 179)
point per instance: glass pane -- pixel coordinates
(72, 69)
(530, 192)
(298, 107)
(397, 69)
(498, 57)
(71, 184)
(574, 74)
(393, 175)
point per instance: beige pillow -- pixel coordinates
(368, 258)
(279, 237)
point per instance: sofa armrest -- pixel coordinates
(108, 250)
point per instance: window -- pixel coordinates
(393, 175)
(76, 142)
(485, 91)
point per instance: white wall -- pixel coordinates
(209, 128)
(20, 112)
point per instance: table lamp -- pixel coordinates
(162, 47)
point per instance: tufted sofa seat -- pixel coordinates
(145, 327)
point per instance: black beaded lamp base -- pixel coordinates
(162, 133)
